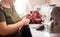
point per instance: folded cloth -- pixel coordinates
(35, 17)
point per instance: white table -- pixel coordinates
(38, 33)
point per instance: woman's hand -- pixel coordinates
(25, 21)
(27, 16)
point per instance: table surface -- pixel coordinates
(38, 33)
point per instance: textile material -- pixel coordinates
(35, 17)
(25, 31)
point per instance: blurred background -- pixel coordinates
(23, 6)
